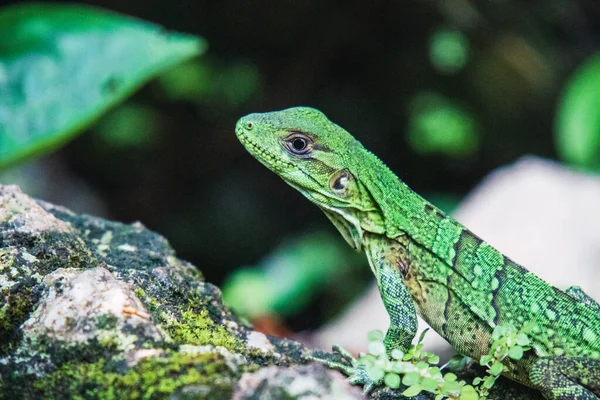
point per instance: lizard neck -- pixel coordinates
(404, 211)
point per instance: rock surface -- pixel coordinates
(96, 309)
(93, 309)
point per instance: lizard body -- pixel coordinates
(424, 261)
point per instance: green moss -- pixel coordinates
(199, 329)
(106, 321)
(151, 378)
(140, 293)
(19, 304)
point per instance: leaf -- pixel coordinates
(375, 335)
(516, 352)
(412, 391)
(522, 339)
(468, 393)
(422, 335)
(375, 373)
(397, 354)
(376, 348)
(489, 381)
(433, 359)
(496, 369)
(392, 380)
(429, 384)
(411, 378)
(65, 65)
(577, 130)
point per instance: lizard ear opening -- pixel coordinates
(341, 182)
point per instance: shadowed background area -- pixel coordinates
(443, 91)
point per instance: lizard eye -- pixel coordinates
(298, 143)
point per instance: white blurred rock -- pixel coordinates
(537, 212)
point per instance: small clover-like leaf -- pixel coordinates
(392, 380)
(411, 378)
(429, 384)
(468, 392)
(421, 365)
(522, 339)
(376, 348)
(397, 354)
(433, 359)
(496, 369)
(484, 360)
(375, 335)
(452, 387)
(489, 381)
(516, 353)
(450, 377)
(375, 373)
(412, 391)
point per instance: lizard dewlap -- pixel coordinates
(426, 262)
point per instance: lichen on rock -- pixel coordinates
(91, 308)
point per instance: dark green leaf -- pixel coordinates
(65, 65)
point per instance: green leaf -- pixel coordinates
(375, 373)
(516, 352)
(375, 336)
(433, 359)
(429, 384)
(450, 377)
(65, 65)
(468, 393)
(489, 381)
(578, 122)
(411, 378)
(412, 391)
(397, 354)
(522, 339)
(392, 380)
(484, 360)
(497, 368)
(376, 348)
(422, 335)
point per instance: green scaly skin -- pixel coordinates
(426, 262)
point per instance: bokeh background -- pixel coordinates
(443, 91)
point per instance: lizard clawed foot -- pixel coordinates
(353, 368)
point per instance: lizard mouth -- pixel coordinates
(269, 159)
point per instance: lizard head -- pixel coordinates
(316, 157)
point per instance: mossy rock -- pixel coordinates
(93, 309)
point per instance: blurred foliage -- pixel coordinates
(285, 281)
(448, 50)
(65, 65)
(439, 125)
(206, 81)
(578, 119)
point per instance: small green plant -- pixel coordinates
(417, 369)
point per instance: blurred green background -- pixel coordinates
(442, 91)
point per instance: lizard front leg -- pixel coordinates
(397, 301)
(398, 304)
(566, 378)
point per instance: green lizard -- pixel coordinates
(424, 261)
